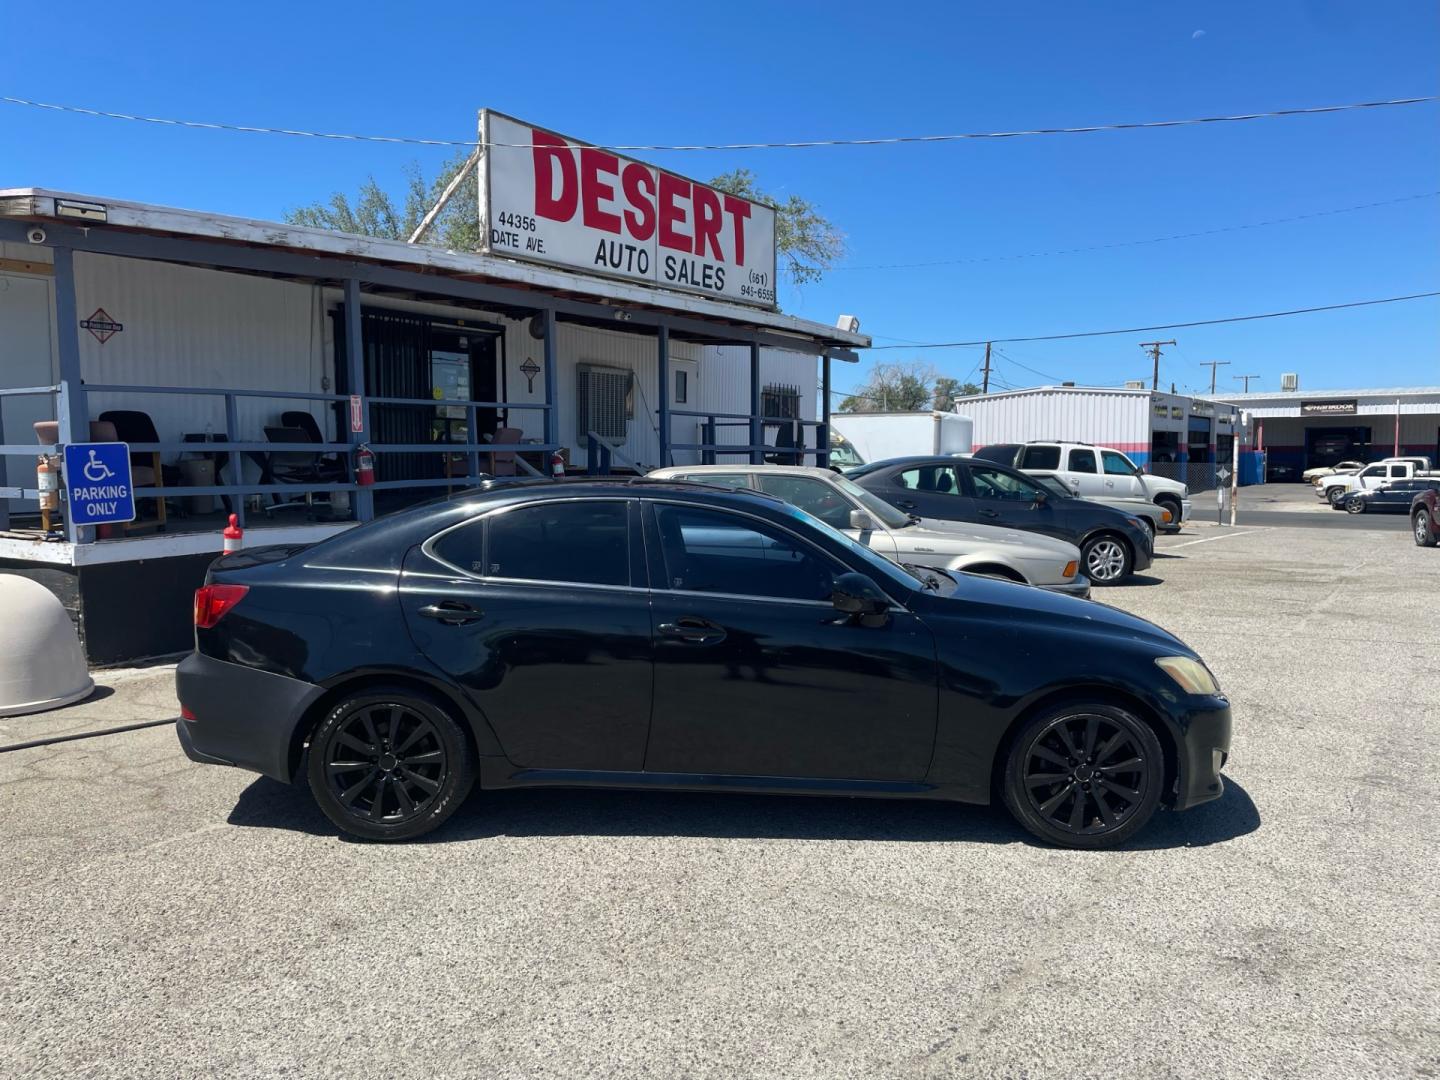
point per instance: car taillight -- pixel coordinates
(213, 601)
(1070, 569)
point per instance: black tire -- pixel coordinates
(1335, 496)
(1423, 528)
(1106, 559)
(1169, 502)
(1050, 780)
(1355, 505)
(389, 763)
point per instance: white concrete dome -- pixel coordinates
(41, 665)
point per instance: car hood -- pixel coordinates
(1014, 604)
(962, 537)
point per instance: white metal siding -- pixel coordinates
(1113, 419)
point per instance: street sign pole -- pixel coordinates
(1223, 474)
(1234, 470)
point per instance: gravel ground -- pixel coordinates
(163, 919)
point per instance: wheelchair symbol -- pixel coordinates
(96, 471)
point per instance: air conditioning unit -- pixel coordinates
(603, 401)
(1290, 382)
(1134, 384)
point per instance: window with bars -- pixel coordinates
(602, 401)
(778, 400)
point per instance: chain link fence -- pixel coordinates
(1198, 477)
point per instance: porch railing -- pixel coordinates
(470, 450)
(755, 448)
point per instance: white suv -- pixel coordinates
(1094, 472)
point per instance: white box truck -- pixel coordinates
(866, 437)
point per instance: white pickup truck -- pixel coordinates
(1334, 489)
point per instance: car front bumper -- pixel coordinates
(1204, 749)
(243, 716)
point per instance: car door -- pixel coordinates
(1004, 498)
(1372, 476)
(830, 505)
(540, 613)
(757, 674)
(1396, 495)
(933, 490)
(1120, 476)
(1083, 472)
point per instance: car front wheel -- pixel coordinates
(1424, 528)
(1354, 505)
(389, 764)
(1173, 505)
(1084, 775)
(1107, 559)
(1336, 496)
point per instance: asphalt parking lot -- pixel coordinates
(162, 919)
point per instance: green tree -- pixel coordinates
(897, 387)
(806, 243)
(946, 390)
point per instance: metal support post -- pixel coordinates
(662, 357)
(757, 429)
(234, 460)
(822, 436)
(551, 428)
(70, 406)
(355, 371)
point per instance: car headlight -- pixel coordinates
(1184, 491)
(1189, 674)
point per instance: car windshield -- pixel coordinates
(1052, 484)
(875, 506)
(878, 565)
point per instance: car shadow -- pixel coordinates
(270, 804)
(1134, 580)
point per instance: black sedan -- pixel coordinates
(1392, 498)
(687, 637)
(1112, 543)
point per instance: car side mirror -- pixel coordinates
(861, 521)
(856, 595)
(1040, 500)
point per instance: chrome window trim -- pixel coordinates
(428, 547)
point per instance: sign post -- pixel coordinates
(97, 483)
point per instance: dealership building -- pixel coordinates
(1298, 430)
(619, 317)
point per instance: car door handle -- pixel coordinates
(990, 513)
(695, 630)
(452, 613)
(904, 504)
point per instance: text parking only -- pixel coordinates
(97, 483)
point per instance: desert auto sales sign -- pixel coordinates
(553, 200)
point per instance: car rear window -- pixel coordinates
(585, 542)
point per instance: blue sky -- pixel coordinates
(771, 72)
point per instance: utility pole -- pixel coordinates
(985, 379)
(1154, 347)
(1214, 365)
(1247, 379)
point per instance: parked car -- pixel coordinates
(1094, 470)
(1112, 544)
(904, 537)
(682, 637)
(1334, 489)
(1314, 475)
(878, 436)
(1425, 517)
(1396, 497)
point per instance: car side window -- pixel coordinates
(712, 551)
(585, 542)
(1374, 470)
(940, 479)
(1040, 457)
(1083, 461)
(1397, 470)
(1116, 464)
(815, 497)
(994, 484)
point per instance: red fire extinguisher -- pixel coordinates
(557, 464)
(234, 535)
(364, 465)
(47, 482)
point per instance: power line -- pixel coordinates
(890, 140)
(1027, 367)
(1165, 326)
(1138, 243)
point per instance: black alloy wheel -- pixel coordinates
(1423, 527)
(1106, 559)
(389, 765)
(1084, 776)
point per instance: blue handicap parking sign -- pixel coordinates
(97, 483)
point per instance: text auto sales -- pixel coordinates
(623, 201)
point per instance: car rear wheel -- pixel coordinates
(1107, 559)
(1084, 775)
(389, 764)
(1424, 528)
